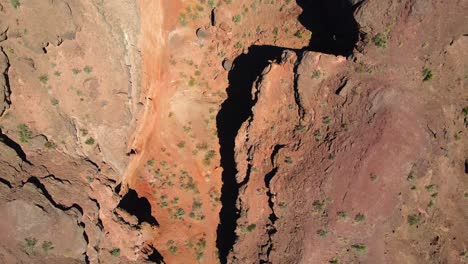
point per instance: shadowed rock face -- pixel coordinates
(139, 207)
(233, 131)
(332, 23)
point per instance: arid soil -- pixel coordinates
(218, 131)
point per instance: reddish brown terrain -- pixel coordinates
(219, 131)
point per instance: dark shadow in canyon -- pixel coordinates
(139, 207)
(235, 110)
(334, 29)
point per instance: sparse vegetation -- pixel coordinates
(181, 144)
(359, 248)
(316, 74)
(288, 160)
(15, 3)
(373, 177)
(208, 157)
(88, 69)
(413, 219)
(200, 248)
(179, 213)
(24, 133)
(50, 145)
(427, 74)
(342, 215)
(44, 78)
(197, 212)
(236, 19)
(47, 246)
(115, 252)
(29, 244)
(90, 141)
(333, 261)
(322, 233)
(76, 71)
(359, 218)
(171, 246)
(380, 40)
(54, 101)
(318, 205)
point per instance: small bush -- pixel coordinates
(380, 40)
(181, 144)
(359, 218)
(90, 141)
(44, 78)
(24, 133)
(88, 69)
(47, 246)
(342, 215)
(15, 3)
(171, 246)
(359, 248)
(236, 19)
(29, 244)
(54, 101)
(251, 227)
(413, 219)
(76, 71)
(316, 74)
(427, 74)
(322, 233)
(115, 252)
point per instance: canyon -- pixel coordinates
(219, 131)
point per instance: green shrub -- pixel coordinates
(427, 74)
(24, 133)
(359, 218)
(44, 78)
(90, 141)
(380, 40)
(54, 101)
(359, 248)
(115, 252)
(413, 219)
(171, 246)
(47, 246)
(322, 233)
(29, 244)
(15, 3)
(251, 227)
(88, 69)
(236, 19)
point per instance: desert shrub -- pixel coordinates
(24, 133)
(380, 40)
(115, 252)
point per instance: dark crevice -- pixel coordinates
(36, 182)
(235, 110)
(332, 23)
(15, 146)
(139, 207)
(272, 217)
(7, 183)
(7, 92)
(155, 256)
